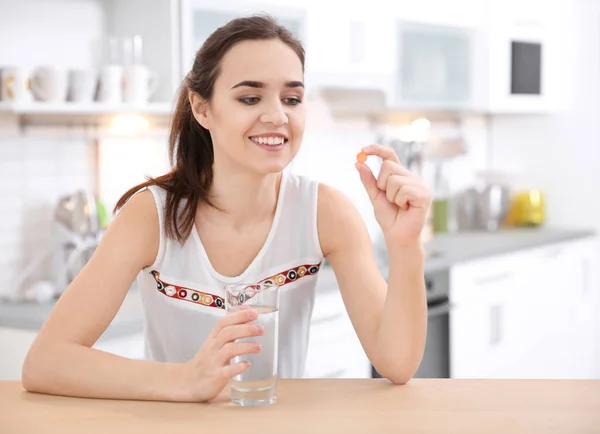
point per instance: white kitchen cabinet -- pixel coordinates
(485, 335)
(519, 61)
(433, 67)
(157, 22)
(14, 345)
(349, 48)
(199, 18)
(334, 350)
(557, 309)
(582, 331)
(528, 314)
(458, 13)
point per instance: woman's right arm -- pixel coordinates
(61, 360)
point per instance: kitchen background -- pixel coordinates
(496, 103)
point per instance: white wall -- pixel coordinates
(34, 173)
(125, 162)
(62, 33)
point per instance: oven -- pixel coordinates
(436, 357)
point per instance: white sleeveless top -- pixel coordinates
(183, 295)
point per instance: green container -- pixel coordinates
(440, 215)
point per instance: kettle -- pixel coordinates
(77, 233)
(483, 208)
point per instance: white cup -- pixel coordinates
(14, 85)
(82, 85)
(49, 84)
(110, 84)
(140, 83)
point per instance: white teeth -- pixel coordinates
(268, 140)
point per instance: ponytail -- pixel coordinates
(191, 155)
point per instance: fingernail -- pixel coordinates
(257, 346)
(259, 329)
(252, 313)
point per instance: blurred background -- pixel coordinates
(495, 103)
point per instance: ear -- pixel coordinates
(200, 109)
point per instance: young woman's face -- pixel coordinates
(257, 116)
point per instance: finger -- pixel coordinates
(230, 371)
(238, 317)
(393, 185)
(389, 168)
(368, 180)
(238, 331)
(411, 195)
(235, 349)
(384, 152)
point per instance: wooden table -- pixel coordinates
(327, 406)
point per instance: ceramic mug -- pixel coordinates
(14, 85)
(110, 84)
(140, 83)
(49, 84)
(82, 85)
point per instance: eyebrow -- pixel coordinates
(260, 84)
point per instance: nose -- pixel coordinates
(274, 114)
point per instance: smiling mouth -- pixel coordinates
(270, 141)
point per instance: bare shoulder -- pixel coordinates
(140, 206)
(136, 228)
(340, 225)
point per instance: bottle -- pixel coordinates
(441, 201)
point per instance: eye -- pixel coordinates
(250, 100)
(292, 101)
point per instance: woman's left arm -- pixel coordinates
(390, 318)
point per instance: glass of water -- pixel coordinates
(258, 384)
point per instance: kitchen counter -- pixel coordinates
(31, 316)
(328, 406)
(444, 251)
(448, 249)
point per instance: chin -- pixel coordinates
(273, 166)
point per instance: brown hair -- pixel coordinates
(190, 144)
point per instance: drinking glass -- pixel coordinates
(258, 384)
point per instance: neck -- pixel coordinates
(243, 198)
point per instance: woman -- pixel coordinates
(228, 212)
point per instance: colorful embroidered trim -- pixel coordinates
(292, 274)
(187, 294)
(211, 300)
(280, 279)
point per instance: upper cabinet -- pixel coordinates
(518, 58)
(482, 56)
(199, 18)
(491, 56)
(349, 48)
(433, 67)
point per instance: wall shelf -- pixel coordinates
(71, 113)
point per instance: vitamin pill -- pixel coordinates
(361, 157)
